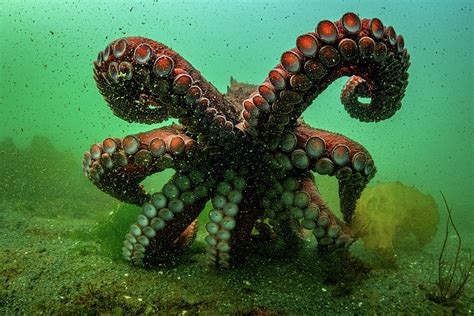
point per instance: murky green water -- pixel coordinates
(47, 88)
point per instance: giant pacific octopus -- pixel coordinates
(253, 155)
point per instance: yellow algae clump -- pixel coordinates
(389, 213)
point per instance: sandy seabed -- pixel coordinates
(47, 269)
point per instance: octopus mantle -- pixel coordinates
(247, 151)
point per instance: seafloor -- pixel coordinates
(61, 238)
(47, 266)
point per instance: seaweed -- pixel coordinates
(453, 272)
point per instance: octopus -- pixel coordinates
(248, 152)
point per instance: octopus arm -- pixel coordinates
(367, 51)
(230, 219)
(336, 155)
(145, 81)
(168, 222)
(294, 203)
(330, 232)
(118, 165)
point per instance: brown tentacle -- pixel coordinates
(329, 231)
(335, 155)
(168, 221)
(365, 49)
(117, 166)
(175, 237)
(146, 81)
(242, 240)
(227, 219)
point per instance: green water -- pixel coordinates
(46, 84)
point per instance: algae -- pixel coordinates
(389, 215)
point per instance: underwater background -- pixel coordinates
(47, 90)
